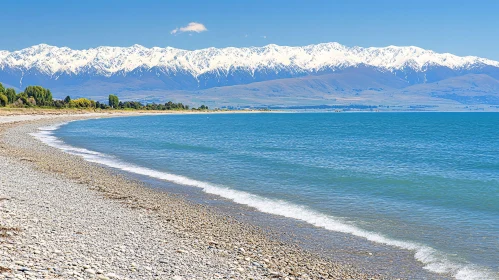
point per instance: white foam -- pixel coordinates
(432, 259)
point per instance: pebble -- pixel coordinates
(112, 276)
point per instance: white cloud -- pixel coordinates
(191, 27)
(264, 37)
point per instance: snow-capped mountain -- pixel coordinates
(108, 61)
(139, 68)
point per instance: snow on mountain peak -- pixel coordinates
(107, 61)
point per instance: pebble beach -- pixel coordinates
(65, 218)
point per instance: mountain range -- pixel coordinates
(322, 74)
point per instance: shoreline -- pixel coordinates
(242, 254)
(245, 251)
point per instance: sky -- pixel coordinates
(458, 27)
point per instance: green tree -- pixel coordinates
(3, 100)
(113, 101)
(11, 95)
(67, 99)
(42, 96)
(169, 105)
(2, 89)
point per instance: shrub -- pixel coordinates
(31, 101)
(59, 104)
(82, 103)
(18, 103)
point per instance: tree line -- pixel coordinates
(115, 103)
(37, 96)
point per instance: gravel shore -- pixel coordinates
(63, 217)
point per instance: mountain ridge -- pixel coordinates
(51, 60)
(271, 74)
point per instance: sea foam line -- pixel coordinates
(432, 259)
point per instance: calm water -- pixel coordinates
(426, 182)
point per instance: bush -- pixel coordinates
(31, 101)
(59, 104)
(82, 103)
(18, 103)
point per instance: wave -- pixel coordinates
(433, 260)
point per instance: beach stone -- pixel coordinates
(23, 269)
(276, 274)
(112, 276)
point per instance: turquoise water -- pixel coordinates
(426, 182)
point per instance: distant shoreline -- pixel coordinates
(50, 111)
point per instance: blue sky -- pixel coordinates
(459, 27)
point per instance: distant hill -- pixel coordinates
(320, 74)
